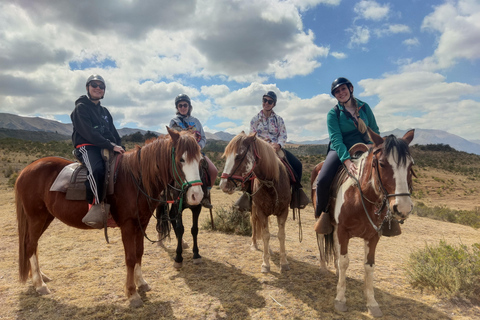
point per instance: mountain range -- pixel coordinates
(422, 136)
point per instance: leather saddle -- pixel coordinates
(71, 180)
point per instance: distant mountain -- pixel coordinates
(60, 130)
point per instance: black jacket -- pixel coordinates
(93, 124)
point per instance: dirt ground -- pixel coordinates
(89, 275)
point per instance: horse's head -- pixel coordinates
(393, 165)
(239, 162)
(185, 164)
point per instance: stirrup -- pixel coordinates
(244, 203)
(206, 203)
(96, 217)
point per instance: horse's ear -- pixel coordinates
(252, 137)
(408, 137)
(377, 140)
(173, 134)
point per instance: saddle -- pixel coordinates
(71, 180)
(283, 159)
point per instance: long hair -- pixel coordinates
(362, 127)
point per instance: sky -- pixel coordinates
(415, 62)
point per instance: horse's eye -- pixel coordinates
(182, 160)
(381, 164)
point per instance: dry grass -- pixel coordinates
(88, 275)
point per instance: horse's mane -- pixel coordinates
(268, 162)
(393, 143)
(152, 163)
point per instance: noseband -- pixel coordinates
(249, 176)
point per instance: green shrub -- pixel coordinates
(464, 217)
(451, 271)
(230, 221)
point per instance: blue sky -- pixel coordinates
(416, 63)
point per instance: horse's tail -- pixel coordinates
(329, 247)
(163, 222)
(23, 261)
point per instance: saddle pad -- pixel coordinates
(63, 179)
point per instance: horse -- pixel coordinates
(252, 159)
(142, 175)
(360, 204)
(174, 216)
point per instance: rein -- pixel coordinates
(242, 179)
(386, 195)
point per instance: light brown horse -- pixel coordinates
(143, 175)
(246, 158)
(359, 206)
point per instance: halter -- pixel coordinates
(249, 176)
(386, 195)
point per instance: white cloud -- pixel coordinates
(371, 10)
(339, 55)
(390, 29)
(360, 35)
(412, 42)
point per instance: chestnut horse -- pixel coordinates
(249, 158)
(360, 204)
(143, 174)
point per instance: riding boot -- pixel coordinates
(323, 225)
(206, 200)
(391, 228)
(96, 217)
(244, 203)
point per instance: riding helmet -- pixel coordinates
(338, 82)
(272, 95)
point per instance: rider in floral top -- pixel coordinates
(270, 128)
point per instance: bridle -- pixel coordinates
(249, 176)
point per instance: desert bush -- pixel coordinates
(464, 217)
(230, 220)
(452, 271)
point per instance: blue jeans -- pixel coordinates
(325, 179)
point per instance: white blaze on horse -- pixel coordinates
(251, 159)
(360, 205)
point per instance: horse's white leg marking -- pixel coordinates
(369, 269)
(190, 169)
(141, 284)
(266, 247)
(404, 204)
(340, 300)
(281, 238)
(37, 278)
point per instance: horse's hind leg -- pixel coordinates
(284, 266)
(197, 259)
(266, 244)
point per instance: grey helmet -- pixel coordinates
(183, 97)
(272, 95)
(338, 82)
(96, 77)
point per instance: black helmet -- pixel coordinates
(95, 77)
(182, 97)
(272, 95)
(338, 82)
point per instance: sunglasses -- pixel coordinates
(182, 105)
(267, 101)
(95, 85)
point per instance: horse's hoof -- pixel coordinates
(177, 265)
(45, 278)
(284, 267)
(375, 312)
(323, 270)
(144, 288)
(253, 247)
(43, 290)
(265, 269)
(135, 301)
(340, 306)
(197, 261)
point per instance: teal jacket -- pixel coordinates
(342, 131)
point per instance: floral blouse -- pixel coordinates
(271, 129)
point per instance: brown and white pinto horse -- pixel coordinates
(249, 158)
(143, 174)
(359, 206)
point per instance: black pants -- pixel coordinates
(296, 166)
(95, 183)
(325, 179)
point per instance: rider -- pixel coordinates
(270, 127)
(185, 121)
(93, 130)
(347, 125)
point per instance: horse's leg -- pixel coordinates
(254, 224)
(284, 266)
(129, 232)
(142, 285)
(266, 243)
(197, 259)
(343, 262)
(372, 304)
(177, 223)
